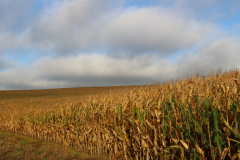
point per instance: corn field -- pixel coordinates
(197, 118)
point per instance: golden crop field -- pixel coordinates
(25, 101)
(196, 118)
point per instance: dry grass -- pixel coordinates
(197, 118)
(16, 147)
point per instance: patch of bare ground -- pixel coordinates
(17, 147)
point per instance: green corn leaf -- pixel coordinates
(234, 108)
(188, 123)
(219, 133)
(198, 128)
(236, 133)
(215, 118)
(198, 103)
(231, 97)
(79, 124)
(172, 131)
(187, 134)
(72, 118)
(169, 108)
(166, 124)
(133, 112)
(118, 109)
(163, 109)
(210, 115)
(131, 120)
(228, 108)
(218, 140)
(237, 101)
(184, 115)
(213, 104)
(181, 128)
(238, 123)
(223, 116)
(190, 111)
(120, 129)
(142, 120)
(138, 113)
(215, 153)
(164, 131)
(121, 112)
(145, 113)
(195, 140)
(174, 101)
(77, 119)
(164, 127)
(143, 117)
(204, 116)
(205, 139)
(206, 103)
(169, 111)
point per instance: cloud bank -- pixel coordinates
(92, 43)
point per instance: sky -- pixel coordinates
(82, 43)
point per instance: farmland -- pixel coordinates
(196, 118)
(24, 101)
(19, 102)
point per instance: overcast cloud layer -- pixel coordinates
(78, 43)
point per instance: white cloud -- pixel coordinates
(152, 30)
(102, 70)
(16, 18)
(224, 53)
(136, 43)
(205, 10)
(69, 29)
(6, 63)
(81, 70)
(72, 25)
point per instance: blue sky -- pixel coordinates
(78, 43)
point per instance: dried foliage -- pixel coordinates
(197, 118)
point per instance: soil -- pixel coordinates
(18, 147)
